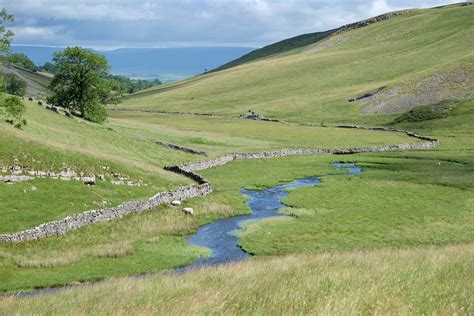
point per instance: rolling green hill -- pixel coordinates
(289, 44)
(409, 56)
(278, 48)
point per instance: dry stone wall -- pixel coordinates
(181, 148)
(203, 186)
(76, 221)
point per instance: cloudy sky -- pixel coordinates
(186, 23)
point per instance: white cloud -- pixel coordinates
(180, 22)
(379, 7)
(44, 33)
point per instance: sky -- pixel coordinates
(109, 24)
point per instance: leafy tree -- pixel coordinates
(49, 67)
(111, 91)
(5, 35)
(79, 82)
(21, 60)
(15, 85)
(133, 85)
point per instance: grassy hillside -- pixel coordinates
(314, 83)
(293, 43)
(278, 48)
(396, 239)
(37, 82)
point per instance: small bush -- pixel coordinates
(15, 85)
(95, 113)
(13, 110)
(427, 112)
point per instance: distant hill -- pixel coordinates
(166, 64)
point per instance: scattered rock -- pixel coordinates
(176, 203)
(252, 116)
(41, 174)
(15, 178)
(257, 117)
(33, 188)
(88, 180)
(16, 170)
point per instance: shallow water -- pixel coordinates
(220, 237)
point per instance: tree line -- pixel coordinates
(81, 83)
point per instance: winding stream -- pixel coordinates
(220, 237)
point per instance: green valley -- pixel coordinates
(396, 238)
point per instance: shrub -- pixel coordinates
(13, 109)
(14, 85)
(95, 112)
(21, 60)
(427, 112)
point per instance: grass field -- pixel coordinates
(126, 145)
(417, 281)
(396, 239)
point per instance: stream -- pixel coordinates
(220, 236)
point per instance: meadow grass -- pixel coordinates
(127, 146)
(68, 258)
(383, 207)
(426, 280)
(402, 199)
(51, 142)
(350, 210)
(234, 134)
